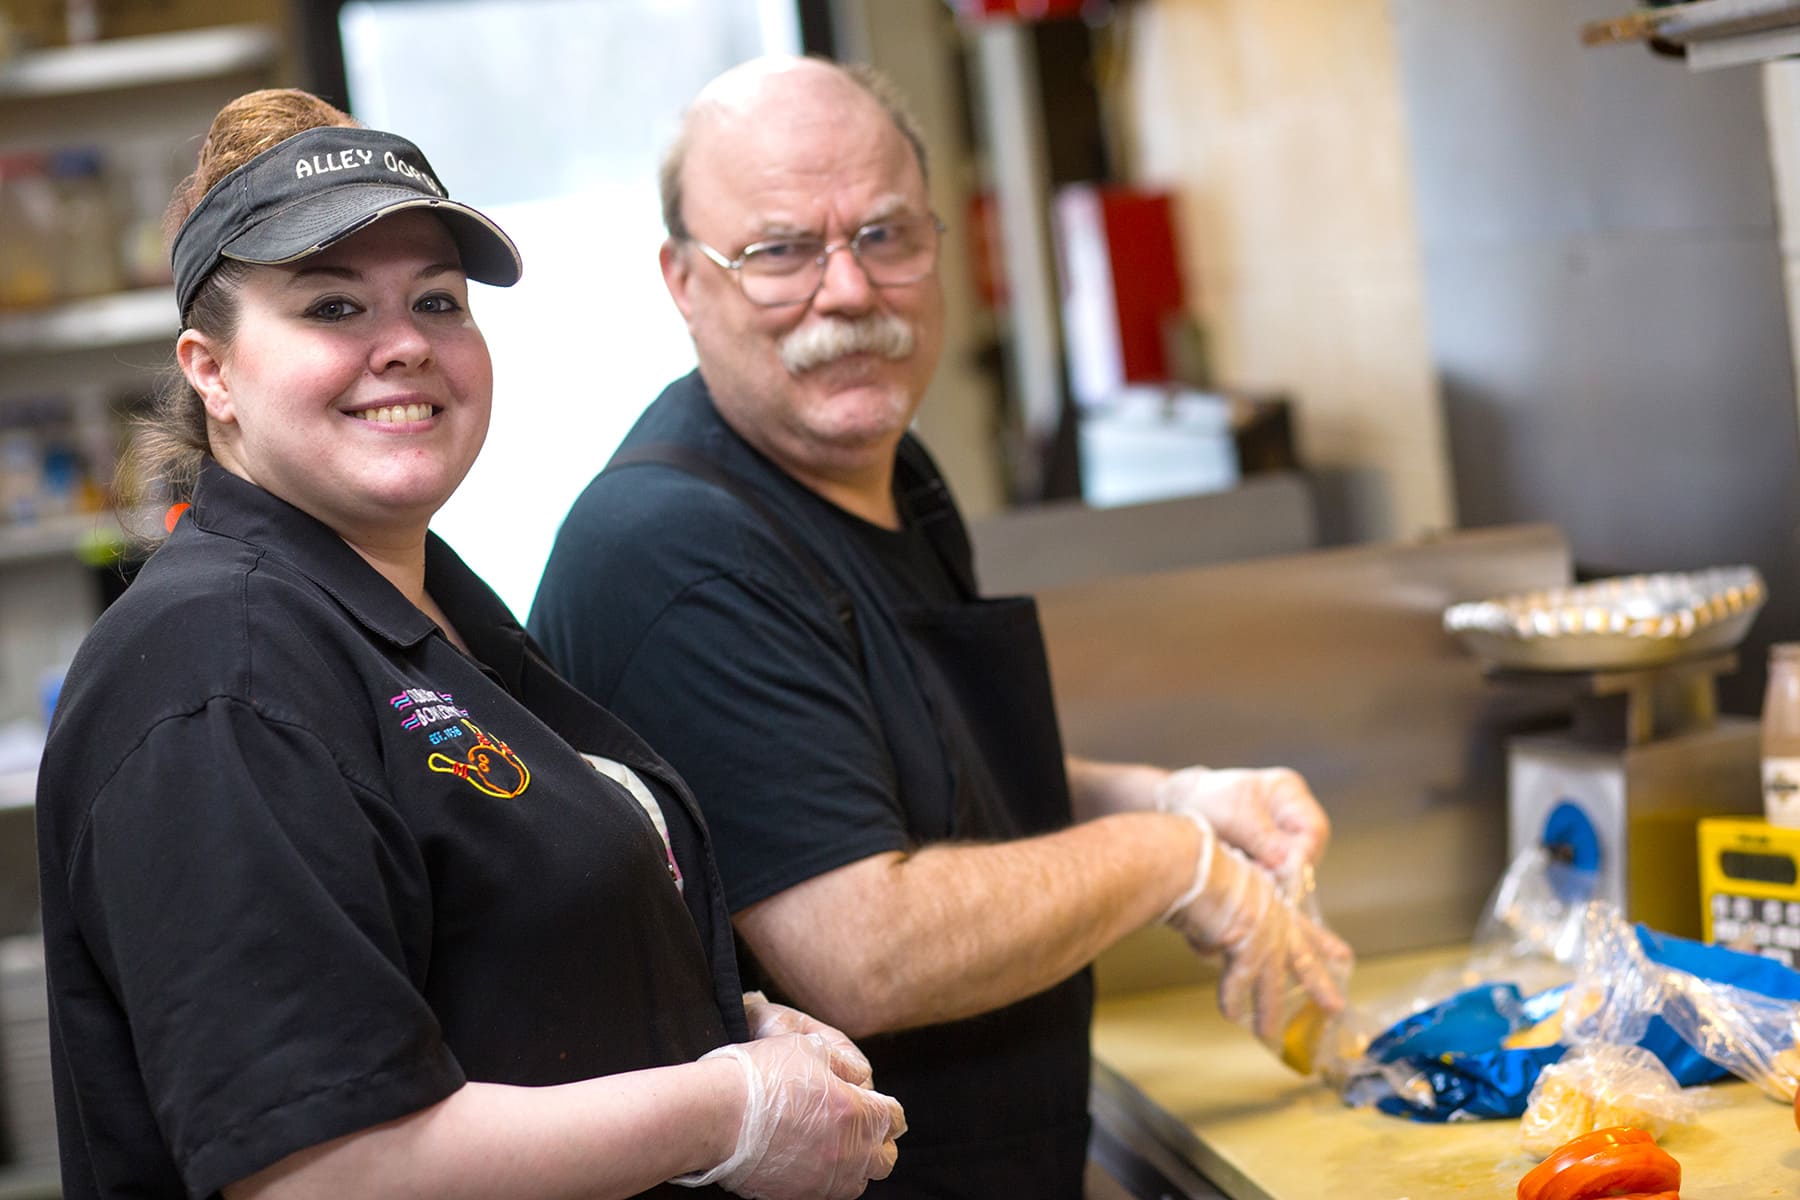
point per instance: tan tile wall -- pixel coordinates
(1281, 125)
(915, 43)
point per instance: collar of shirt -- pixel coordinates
(229, 506)
(687, 414)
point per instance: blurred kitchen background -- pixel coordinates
(1416, 300)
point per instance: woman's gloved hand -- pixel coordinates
(1234, 908)
(808, 1130)
(1268, 813)
(769, 1019)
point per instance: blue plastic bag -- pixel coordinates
(1449, 1061)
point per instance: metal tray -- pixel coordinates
(1629, 621)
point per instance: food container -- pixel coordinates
(1625, 622)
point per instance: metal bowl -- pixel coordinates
(1629, 621)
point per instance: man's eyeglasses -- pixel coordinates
(790, 270)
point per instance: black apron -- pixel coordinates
(996, 1105)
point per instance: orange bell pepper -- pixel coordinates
(1607, 1163)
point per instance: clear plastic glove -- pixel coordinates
(1234, 908)
(1268, 813)
(808, 1131)
(769, 1019)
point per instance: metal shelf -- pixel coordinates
(138, 61)
(121, 319)
(56, 537)
(1709, 33)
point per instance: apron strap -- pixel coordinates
(685, 460)
(925, 499)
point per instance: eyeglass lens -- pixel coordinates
(890, 252)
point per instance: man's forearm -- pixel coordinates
(1098, 789)
(897, 941)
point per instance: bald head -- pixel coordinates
(773, 93)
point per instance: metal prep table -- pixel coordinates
(1194, 1088)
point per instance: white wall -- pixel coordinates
(555, 128)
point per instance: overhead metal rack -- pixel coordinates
(1708, 33)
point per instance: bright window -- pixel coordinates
(551, 116)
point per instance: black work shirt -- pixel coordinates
(675, 605)
(912, 568)
(811, 742)
(307, 867)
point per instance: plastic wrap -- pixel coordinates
(1617, 991)
(1533, 919)
(1309, 1038)
(1749, 1034)
(1607, 1078)
(1548, 975)
(1600, 1086)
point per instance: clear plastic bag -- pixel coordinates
(1310, 1038)
(1617, 989)
(1558, 1014)
(1533, 917)
(1600, 1086)
(1522, 958)
(1607, 1079)
(1751, 1035)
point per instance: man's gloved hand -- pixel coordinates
(1269, 813)
(769, 1019)
(808, 1129)
(1234, 908)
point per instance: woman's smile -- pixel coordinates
(397, 414)
(359, 390)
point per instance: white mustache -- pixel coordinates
(831, 338)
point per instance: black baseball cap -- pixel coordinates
(319, 187)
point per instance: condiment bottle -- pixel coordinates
(1781, 736)
(87, 243)
(144, 176)
(27, 232)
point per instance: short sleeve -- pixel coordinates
(751, 697)
(264, 923)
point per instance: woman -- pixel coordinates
(345, 893)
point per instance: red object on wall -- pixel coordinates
(1121, 279)
(986, 264)
(1146, 268)
(1027, 10)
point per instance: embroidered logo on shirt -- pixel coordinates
(428, 708)
(489, 765)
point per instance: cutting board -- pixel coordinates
(1262, 1133)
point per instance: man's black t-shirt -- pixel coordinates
(912, 568)
(307, 867)
(813, 743)
(670, 598)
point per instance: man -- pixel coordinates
(771, 584)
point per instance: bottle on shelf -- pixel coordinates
(98, 430)
(1781, 736)
(57, 455)
(144, 174)
(28, 215)
(21, 475)
(86, 245)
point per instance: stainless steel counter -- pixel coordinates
(1144, 1153)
